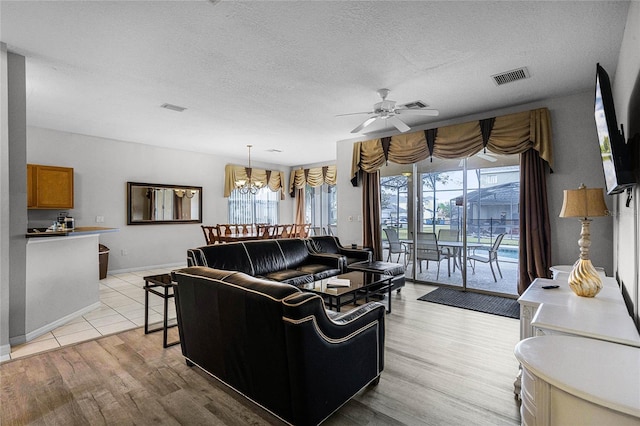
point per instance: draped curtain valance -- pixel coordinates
(313, 177)
(273, 179)
(507, 134)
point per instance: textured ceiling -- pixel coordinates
(275, 74)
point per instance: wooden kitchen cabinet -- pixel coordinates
(49, 187)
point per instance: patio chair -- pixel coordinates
(490, 258)
(395, 245)
(451, 235)
(317, 231)
(448, 235)
(427, 249)
(332, 230)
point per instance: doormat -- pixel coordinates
(486, 303)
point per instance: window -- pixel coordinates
(490, 179)
(321, 205)
(261, 207)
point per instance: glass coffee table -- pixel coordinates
(361, 286)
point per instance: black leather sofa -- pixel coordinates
(277, 345)
(358, 259)
(286, 260)
(328, 244)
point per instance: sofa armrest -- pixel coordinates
(363, 254)
(330, 360)
(302, 306)
(335, 261)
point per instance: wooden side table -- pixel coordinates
(150, 284)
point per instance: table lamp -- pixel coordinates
(584, 203)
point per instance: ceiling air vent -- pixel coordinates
(415, 105)
(509, 76)
(173, 107)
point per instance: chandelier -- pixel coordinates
(246, 186)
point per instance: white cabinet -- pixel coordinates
(578, 381)
(584, 366)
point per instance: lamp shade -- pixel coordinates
(583, 202)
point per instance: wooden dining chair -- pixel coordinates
(224, 229)
(288, 231)
(210, 234)
(266, 232)
(302, 231)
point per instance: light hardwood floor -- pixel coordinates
(443, 366)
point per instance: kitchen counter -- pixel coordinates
(80, 230)
(62, 279)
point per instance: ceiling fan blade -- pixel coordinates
(354, 113)
(487, 157)
(428, 112)
(399, 124)
(365, 124)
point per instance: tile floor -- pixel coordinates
(122, 308)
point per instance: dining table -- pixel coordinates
(233, 237)
(456, 247)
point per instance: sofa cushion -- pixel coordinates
(231, 257)
(265, 255)
(294, 251)
(325, 244)
(318, 271)
(290, 276)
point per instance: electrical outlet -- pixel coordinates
(359, 218)
(124, 252)
(99, 219)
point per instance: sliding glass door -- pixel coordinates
(461, 228)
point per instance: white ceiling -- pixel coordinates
(275, 74)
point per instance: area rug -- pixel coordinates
(474, 301)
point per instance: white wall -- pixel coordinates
(14, 198)
(577, 160)
(626, 95)
(4, 207)
(102, 168)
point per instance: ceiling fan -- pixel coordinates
(482, 154)
(387, 110)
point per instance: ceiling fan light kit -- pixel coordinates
(387, 110)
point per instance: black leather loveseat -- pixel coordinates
(331, 245)
(277, 345)
(287, 260)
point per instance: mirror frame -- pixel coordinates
(131, 221)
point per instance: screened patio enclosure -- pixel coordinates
(466, 204)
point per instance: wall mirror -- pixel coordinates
(151, 203)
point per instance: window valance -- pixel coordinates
(313, 177)
(507, 134)
(273, 179)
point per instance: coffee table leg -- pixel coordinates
(166, 316)
(389, 311)
(146, 307)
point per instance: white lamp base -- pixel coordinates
(584, 280)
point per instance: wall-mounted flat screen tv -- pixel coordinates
(616, 158)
